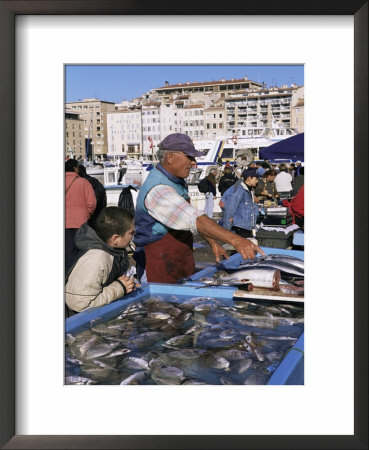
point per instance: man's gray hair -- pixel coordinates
(160, 155)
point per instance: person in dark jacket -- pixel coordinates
(227, 180)
(100, 194)
(265, 189)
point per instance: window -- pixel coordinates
(214, 125)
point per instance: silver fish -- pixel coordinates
(100, 350)
(79, 380)
(159, 315)
(185, 340)
(215, 362)
(135, 378)
(293, 260)
(232, 354)
(145, 339)
(258, 277)
(134, 363)
(243, 366)
(167, 375)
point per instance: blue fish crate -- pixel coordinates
(289, 371)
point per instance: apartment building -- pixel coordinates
(93, 113)
(297, 110)
(262, 109)
(74, 135)
(124, 133)
(215, 122)
(205, 91)
(193, 121)
(150, 126)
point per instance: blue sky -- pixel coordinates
(115, 83)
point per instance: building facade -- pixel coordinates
(124, 133)
(74, 135)
(297, 110)
(93, 113)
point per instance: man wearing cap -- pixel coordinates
(240, 211)
(165, 221)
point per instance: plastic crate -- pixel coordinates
(275, 239)
(290, 371)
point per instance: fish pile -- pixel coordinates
(174, 340)
(276, 272)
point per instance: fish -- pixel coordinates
(285, 268)
(293, 260)
(134, 363)
(159, 315)
(145, 339)
(288, 288)
(243, 366)
(81, 347)
(256, 276)
(79, 380)
(167, 375)
(135, 378)
(228, 334)
(185, 340)
(101, 350)
(215, 362)
(232, 354)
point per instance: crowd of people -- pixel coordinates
(163, 224)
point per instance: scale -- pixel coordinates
(278, 217)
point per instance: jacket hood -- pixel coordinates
(87, 239)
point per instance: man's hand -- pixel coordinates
(218, 251)
(246, 248)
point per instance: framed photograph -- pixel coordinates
(37, 40)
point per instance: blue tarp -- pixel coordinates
(291, 148)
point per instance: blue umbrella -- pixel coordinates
(291, 148)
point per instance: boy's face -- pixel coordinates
(122, 241)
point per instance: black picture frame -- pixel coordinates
(8, 10)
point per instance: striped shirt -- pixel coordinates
(165, 205)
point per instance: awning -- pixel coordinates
(291, 148)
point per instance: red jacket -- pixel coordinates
(296, 204)
(80, 201)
